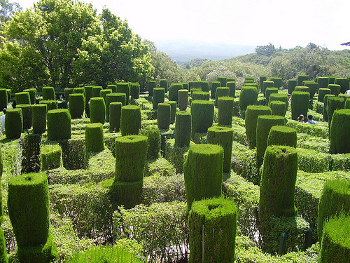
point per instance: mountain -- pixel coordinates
(183, 51)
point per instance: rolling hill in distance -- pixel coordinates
(183, 51)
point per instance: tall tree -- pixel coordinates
(7, 10)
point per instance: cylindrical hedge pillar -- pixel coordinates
(221, 92)
(335, 89)
(225, 110)
(325, 108)
(344, 84)
(32, 95)
(158, 97)
(222, 136)
(173, 108)
(114, 97)
(313, 87)
(268, 92)
(213, 224)
(173, 91)
(151, 85)
(31, 153)
(334, 103)
(322, 92)
(76, 105)
(279, 97)
(203, 172)
(134, 90)
(202, 112)
(94, 137)
(251, 118)
(51, 104)
(50, 156)
(291, 84)
(13, 123)
(223, 81)
(39, 112)
(48, 93)
(104, 92)
(214, 86)
(323, 82)
(154, 140)
(97, 110)
(27, 115)
(3, 98)
(299, 103)
(183, 99)
(28, 205)
(130, 120)
(58, 124)
(267, 84)
(282, 135)
(302, 78)
(248, 96)
(163, 115)
(339, 132)
(115, 110)
(183, 129)
(232, 87)
(22, 98)
(124, 88)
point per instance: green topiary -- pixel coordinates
(153, 134)
(124, 88)
(32, 95)
(22, 98)
(186, 85)
(163, 83)
(183, 99)
(173, 105)
(114, 97)
(291, 84)
(280, 97)
(158, 97)
(151, 85)
(221, 92)
(204, 85)
(325, 108)
(163, 116)
(282, 135)
(67, 92)
(248, 96)
(94, 137)
(261, 82)
(313, 87)
(173, 91)
(277, 82)
(323, 82)
(214, 86)
(27, 115)
(322, 92)
(3, 250)
(202, 112)
(58, 125)
(50, 156)
(335, 245)
(212, 226)
(334, 103)
(127, 194)
(50, 104)
(264, 124)
(222, 136)
(335, 89)
(267, 84)
(347, 103)
(3, 98)
(80, 90)
(270, 91)
(39, 112)
(104, 92)
(200, 95)
(302, 88)
(13, 123)
(339, 132)
(115, 110)
(302, 78)
(203, 172)
(88, 95)
(251, 118)
(134, 90)
(76, 105)
(232, 87)
(278, 107)
(183, 129)
(31, 153)
(344, 84)
(96, 91)
(225, 111)
(130, 120)
(112, 87)
(334, 200)
(223, 81)
(73, 153)
(97, 110)
(299, 103)
(48, 93)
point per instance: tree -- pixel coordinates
(267, 50)
(7, 10)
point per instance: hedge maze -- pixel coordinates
(183, 172)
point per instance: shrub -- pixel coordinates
(94, 137)
(27, 115)
(163, 118)
(76, 105)
(277, 82)
(334, 103)
(31, 153)
(312, 161)
(104, 92)
(22, 98)
(183, 99)
(278, 97)
(334, 88)
(186, 85)
(334, 201)
(96, 91)
(32, 95)
(203, 172)
(153, 134)
(222, 136)
(58, 124)
(214, 86)
(124, 88)
(322, 92)
(73, 153)
(323, 82)
(114, 97)
(3, 98)
(344, 84)
(325, 103)
(335, 240)
(204, 85)
(39, 113)
(264, 124)
(115, 110)
(225, 111)
(50, 156)
(299, 103)
(232, 87)
(221, 92)
(3, 251)
(313, 87)
(248, 96)
(302, 78)
(48, 93)
(158, 97)
(223, 81)
(13, 123)
(127, 194)
(88, 96)
(67, 92)
(97, 110)
(163, 83)
(183, 129)
(339, 130)
(130, 120)
(347, 103)
(212, 226)
(134, 90)
(302, 88)
(251, 118)
(291, 84)
(202, 112)
(173, 91)
(267, 84)
(200, 95)
(51, 104)
(278, 107)
(151, 86)
(282, 135)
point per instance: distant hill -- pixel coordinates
(183, 51)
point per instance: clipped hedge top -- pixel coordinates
(340, 186)
(28, 179)
(202, 102)
(116, 94)
(131, 107)
(58, 111)
(225, 98)
(283, 129)
(214, 208)
(338, 229)
(183, 113)
(131, 139)
(271, 117)
(342, 112)
(94, 125)
(258, 108)
(281, 150)
(207, 149)
(220, 129)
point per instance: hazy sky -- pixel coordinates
(248, 22)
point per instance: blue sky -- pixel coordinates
(242, 22)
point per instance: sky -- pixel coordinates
(288, 23)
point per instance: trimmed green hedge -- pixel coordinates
(302, 78)
(94, 137)
(39, 113)
(163, 83)
(58, 125)
(27, 115)
(334, 103)
(339, 131)
(183, 128)
(313, 161)
(130, 120)
(173, 108)
(278, 97)
(323, 82)
(223, 81)
(151, 85)
(313, 87)
(31, 153)
(344, 84)
(183, 99)
(202, 112)
(163, 116)
(13, 123)
(278, 107)
(50, 156)
(115, 110)
(225, 111)
(221, 92)
(299, 103)
(97, 110)
(334, 88)
(158, 97)
(74, 153)
(282, 135)
(3, 98)
(302, 88)
(291, 84)
(114, 97)
(200, 95)
(248, 96)
(32, 95)
(174, 90)
(22, 98)
(153, 134)
(124, 88)
(96, 91)
(76, 105)
(134, 90)
(232, 87)
(277, 82)
(48, 93)
(214, 86)
(322, 92)
(51, 104)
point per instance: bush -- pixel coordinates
(334, 103)
(173, 109)
(124, 88)
(58, 125)
(282, 135)
(183, 129)
(212, 226)
(31, 153)
(97, 110)
(203, 172)
(214, 86)
(302, 78)
(202, 112)
(291, 84)
(130, 120)
(153, 134)
(126, 194)
(50, 156)
(200, 95)
(48, 93)
(115, 110)
(222, 136)
(163, 83)
(339, 139)
(267, 84)
(279, 97)
(183, 99)
(50, 104)
(27, 115)
(299, 103)
(39, 113)
(67, 92)
(32, 95)
(322, 92)
(151, 85)
(3, 98)
(13, 123)
(104, 92)
(134, 90)
(173, 91)
(73, 153)
(225, 111)
(251, 117)
(3, 251)
(221, 92)
(313, 87)
(76, 105)
(344, 84)
(325, 103)
(334, 88)
(94, 137)
(158, 97)
(312, 161)
(232, 87)
(278, 108)
(319, 129)
(323, 82)
(302, 88)
(223, 81)
(96, 91)
(114, 97)
(248, 96)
